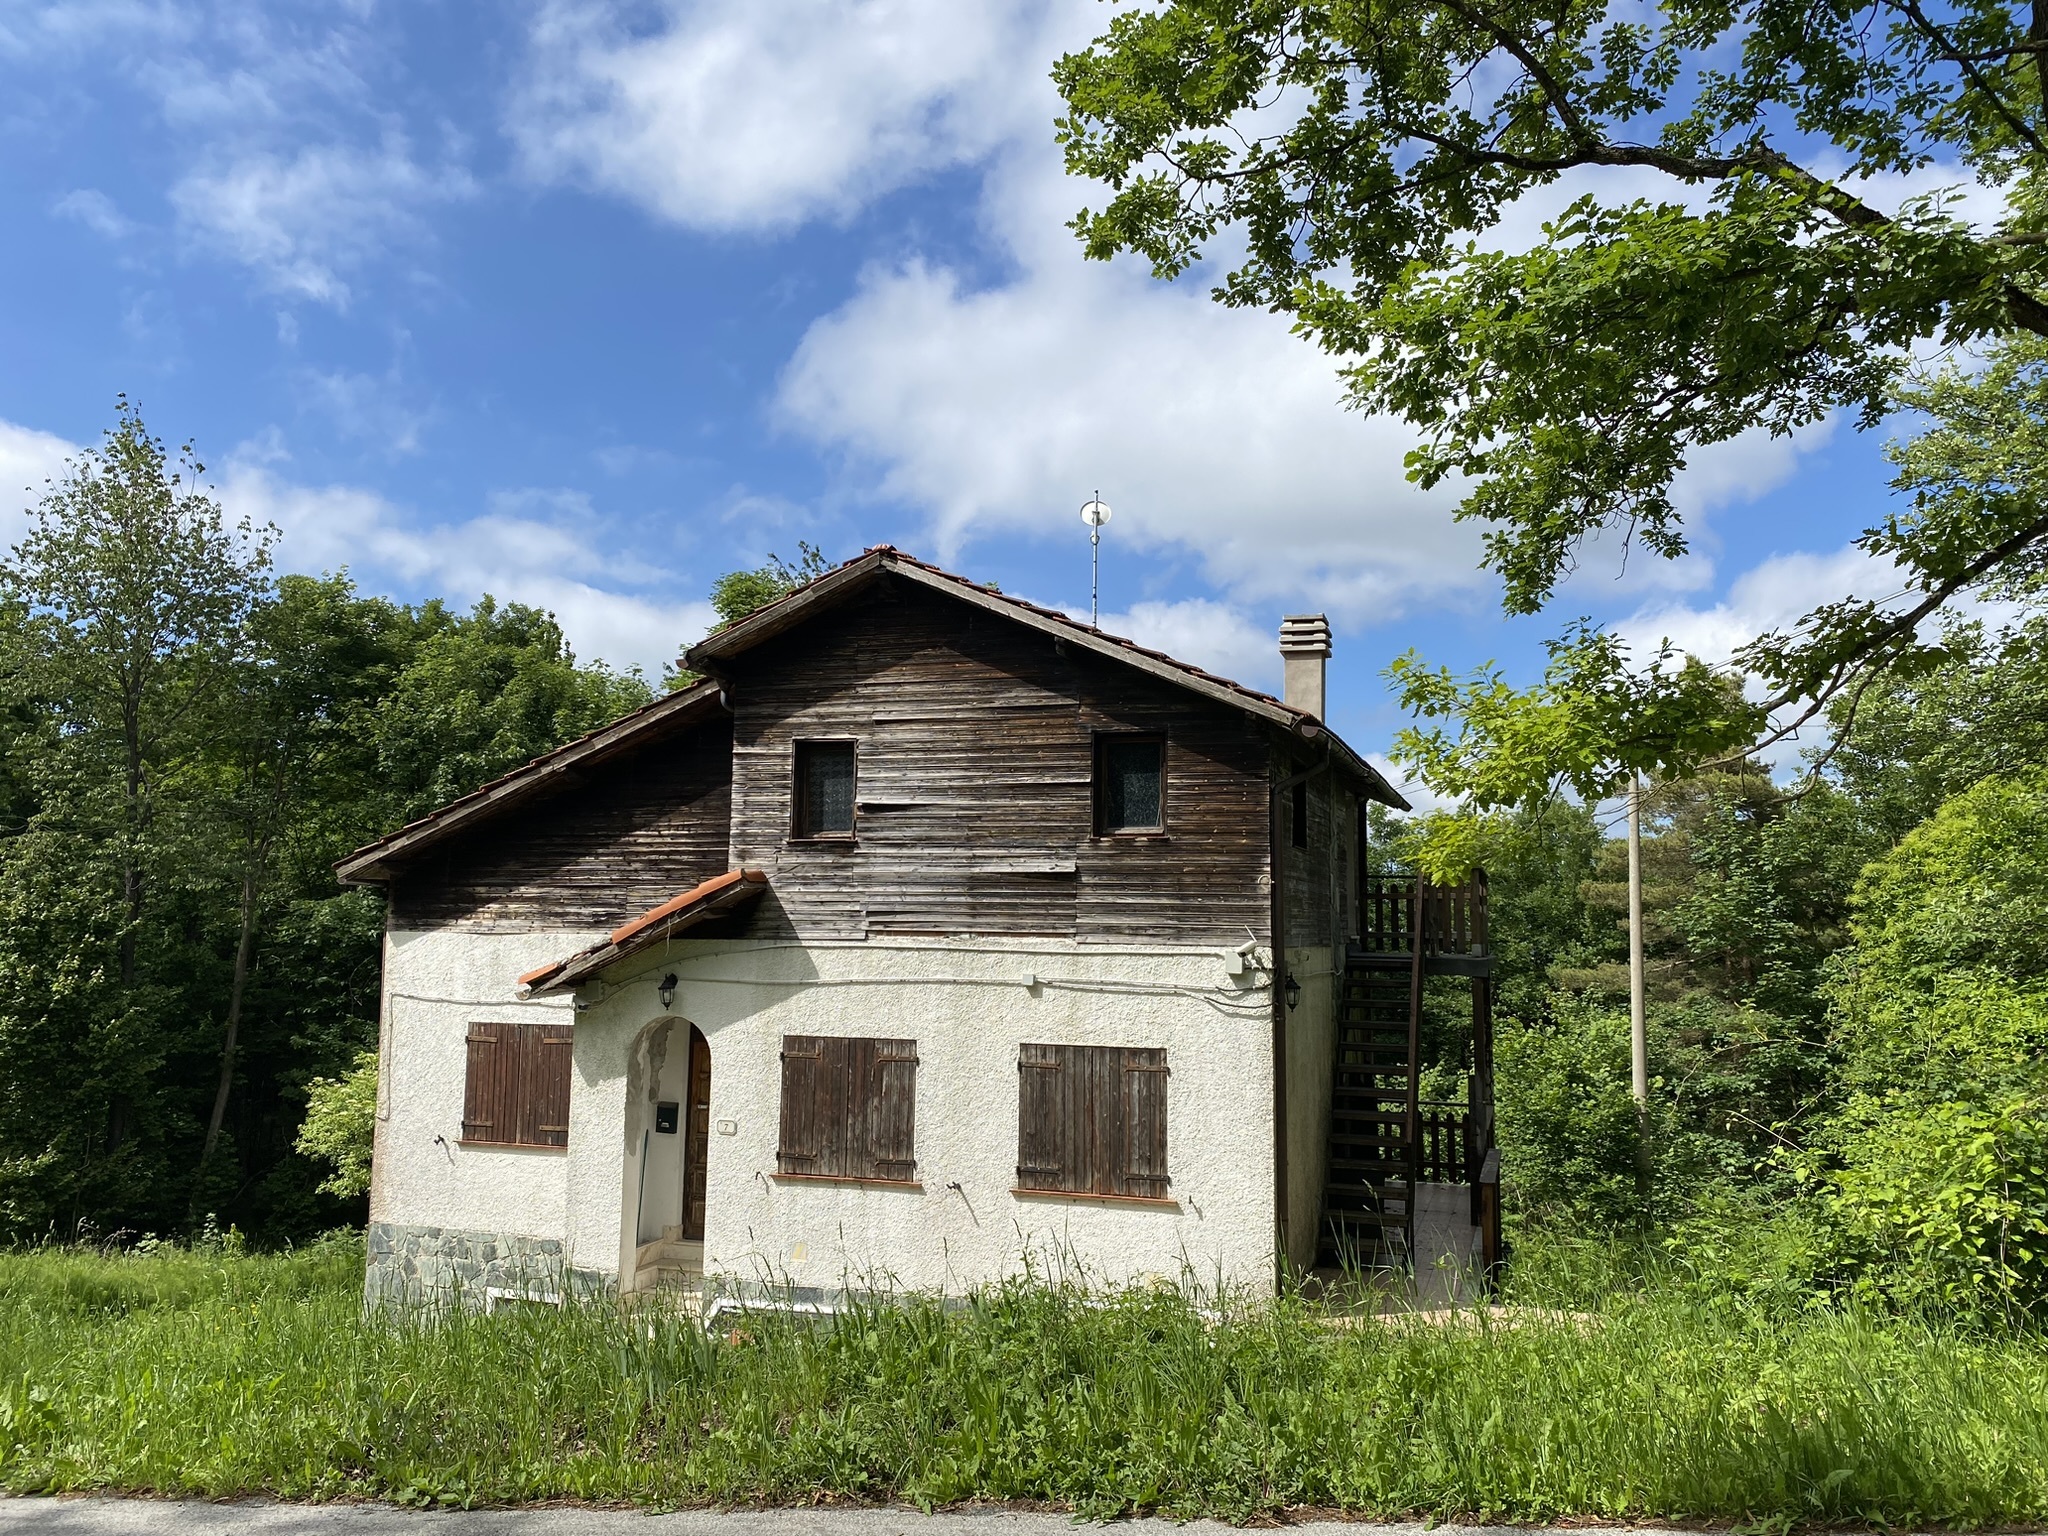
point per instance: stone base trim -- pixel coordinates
(435, 1266)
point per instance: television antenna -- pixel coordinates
(1095, 512)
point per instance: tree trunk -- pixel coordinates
(244, 946)
(131, 852)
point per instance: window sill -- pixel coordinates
(823, 840)
(1133, 835)
(1155, 1202)
(509, 1146)
(846, 1178)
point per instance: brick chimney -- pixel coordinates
(1304, 651)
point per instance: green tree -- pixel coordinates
(482, 693)
(738, 593)
(1934, 1167)
(139, 589)
(1367, 156)
(340, 1128)
(1915, 741)
(283, 736)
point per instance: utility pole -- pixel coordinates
(1638, 1012)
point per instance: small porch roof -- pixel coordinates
(718, 894)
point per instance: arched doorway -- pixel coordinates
(670, 1138)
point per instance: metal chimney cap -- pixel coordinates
(1305, 634)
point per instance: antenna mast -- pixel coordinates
(1095, 512)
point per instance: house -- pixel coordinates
(929, 934)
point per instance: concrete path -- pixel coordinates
(147, 1517)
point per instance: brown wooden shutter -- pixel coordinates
(517, 1088)
(1091, 1120)
(547, 1088)
(1142, 1167)
(849, 1107)
(1043, 1117)
(489, 1110)
(799, 1139)
(892, 1110)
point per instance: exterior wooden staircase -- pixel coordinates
(1368, 1190)
(1384, 1141)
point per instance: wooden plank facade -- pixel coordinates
(975, 762)
(975, 748)
(627, 837)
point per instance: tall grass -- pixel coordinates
(190, 1373)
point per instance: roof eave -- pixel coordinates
(375, 863)
(784, 614)
(742, 886)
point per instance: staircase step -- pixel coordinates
(1366, 1193)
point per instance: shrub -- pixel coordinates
(341, 1126)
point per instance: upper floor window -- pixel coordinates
(824, 789)
(1300, 814)
(1130, 784)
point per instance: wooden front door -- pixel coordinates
(698, 1142)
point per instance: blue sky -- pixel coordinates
(584, 304)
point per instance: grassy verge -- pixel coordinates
(212, 1375)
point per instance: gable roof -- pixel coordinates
(730, 889)
(378, 860)
(794, 607)
(545, 774)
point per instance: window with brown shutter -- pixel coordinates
(1091, 1120)
(517, 1091)
(848, 1109)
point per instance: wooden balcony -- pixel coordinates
(1447, 921)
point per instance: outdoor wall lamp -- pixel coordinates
(667, 991)
(1293, 991)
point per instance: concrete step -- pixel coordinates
(680, 1255)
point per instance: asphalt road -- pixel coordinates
(157, 1517)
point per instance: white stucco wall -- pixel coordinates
(967, 1005)
(436, 983)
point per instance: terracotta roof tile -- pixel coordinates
(720, 891)
(675, 904)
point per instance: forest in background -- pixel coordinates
(1848, 977)
(1847, 980)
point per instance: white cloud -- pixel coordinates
(1218, 637)
(27, 459)
(544, 548)
(288, 153)
(1774, 594)
(366, 408)
(96, 211)
(304, 220)
(1206, 429)
(761, 114)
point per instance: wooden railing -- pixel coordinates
(1445, 1134)
(1452, 922)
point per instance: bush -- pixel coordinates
(341, 1126)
